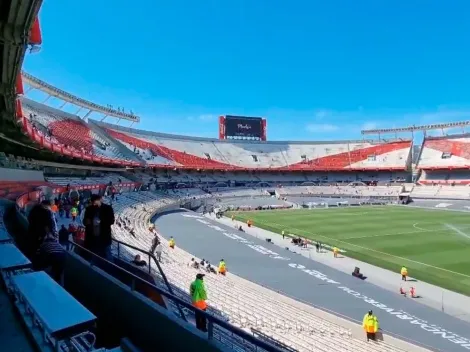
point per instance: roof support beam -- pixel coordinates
(87, 114)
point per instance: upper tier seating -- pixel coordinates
(63, 128)
(67, 130)
(211, 153)
(445, 152)
(245, 304)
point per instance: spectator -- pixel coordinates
(138, 261)
(64, 237)
(74, 212)
(198, 294)
(158, 251)
(98, 220)
(48, 205)
(40, 225)
(193, 264)
(51, 255)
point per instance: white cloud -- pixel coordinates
(321, 114)
(203, 118)
(207, 117)
(369, 126)
(321, 127)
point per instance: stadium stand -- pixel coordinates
(206, 153)
(352, 190)
(441, 192)
(450, 152)
(252, 307)
(68, 132)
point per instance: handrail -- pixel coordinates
(151, 255)
(212, 320)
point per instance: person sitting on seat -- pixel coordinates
(193, 264)
(138, 261)
(210, 269)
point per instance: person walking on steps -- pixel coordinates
(197, 290)
(370, 323)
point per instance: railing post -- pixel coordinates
(210, 329)
(150, 264)
(133, 284)
(119, 250)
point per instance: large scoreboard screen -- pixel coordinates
(241, 126)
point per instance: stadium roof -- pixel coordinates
(73, 99)
(440, 126)
(16, 19)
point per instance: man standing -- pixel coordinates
(370, 324)
(64, 237)
(198, 294)
(158, 251)
(222, 267)
(98, 220)
(171, 242)
(404, 273)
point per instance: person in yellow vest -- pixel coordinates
(370, 323)
(222, 267)
(335, 252)
(197, 290)
(283, 233)
(404, 273)
(171, 243)
(233, 217)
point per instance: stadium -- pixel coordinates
(314, 234)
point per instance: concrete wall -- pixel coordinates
(20, 175)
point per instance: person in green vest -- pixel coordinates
(198, 294)
(74, 213)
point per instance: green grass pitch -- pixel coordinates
(433, 244)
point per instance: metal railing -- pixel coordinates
(150, 257)
(235, 338)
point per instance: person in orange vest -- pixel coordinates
(370, 323)
(198, 293)
(404, 273)
(171, 243)
(335, 252)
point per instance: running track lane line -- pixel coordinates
(376, 251)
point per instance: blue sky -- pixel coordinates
(315, 69)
